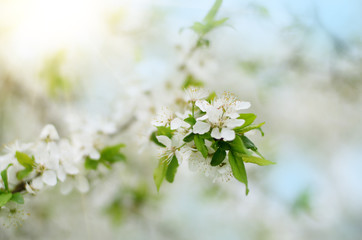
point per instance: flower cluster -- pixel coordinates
(209, 135)
(30, 167)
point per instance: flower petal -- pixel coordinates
(49, 133)
(177, 123)
(179, 156)
(201, 127)
(202, 104)
(239, 105)
(66, 187)
(202, 118)
(82, 184)
(94, 154)
(232, 115)
(215, 133)
(164, 140)
(227, 134)
(29, 189)
(70, 169)
(61, 174)
(49, 177)
(233, 123)
(37, 183)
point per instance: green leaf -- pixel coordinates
(24, 159)
(23, 173)
(4, 176)
(154, 139)
(241, 130)
(190, 120)
(165, 131)
(200, 29)
(190, 81)
(224, 145)
(200, 145)
(112, 154)
(206, 136)
(238, 169)
(91, 164)
(218, 157)
(18, 198)
(172, 169)
(248, 117)
(53, 76)
(160, 172)
(238, 146)
(213, 11)
(4, 198)
(256, 160)
(203, 42)
(248, 143)
(189, 137)
(211, 97)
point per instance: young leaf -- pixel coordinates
(209, 22)
(248, 117)
(219, 22)
(4, 198)
(241, 130)
(164, 131)
(224, 145)
(203, 42)
(218, 157)
(256, 160)
(4, 176)
(23, 173)
(24, 159)
(238, 169)
(200, 145)
(160, 172)
(189, 137)
(211, 97)
(213, 11)
(190, 120)
(248, 143)
(18, 198)
(91, 164)
(154, 139)
(111, 154)
(238, 146)
(190, 81)
(172, 169)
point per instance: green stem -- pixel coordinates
(193, 109)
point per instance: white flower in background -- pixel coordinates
(164, 117)
(84, 145)
(221, 116)
(17, 147)
(9, 158)
(178, 123)
(167, 118)
(221, 173)
(29, 189)
(193, 94)
(175, 147)
(49, 133)
(67, 158)
(80, 182)
(46, 157)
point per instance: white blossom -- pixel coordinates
(193, 94)
(173, 147)
(220, 116)
(49, 133)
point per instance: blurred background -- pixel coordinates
(299, 63)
